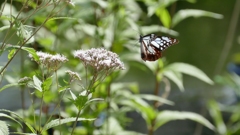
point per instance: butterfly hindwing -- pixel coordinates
(152, 46)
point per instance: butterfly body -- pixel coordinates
(152, 46)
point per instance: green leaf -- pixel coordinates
(32, 52)
(58, 122)
(176, 77)
(10, 117)
(22, 120)
(20, 133)
(11, 85)
(45, 41)
(138, 104)
(156, 98)
(112, 127)
(25, 32)
(166, 116)
(190, 70)
(11, 53)
(28, 49)
(185, 13)
(63, 88)
(153, 6)
(152, 66)
(4, 128)
(47, 84)
(164, 16)
(73, 95)
(214, 111)
(94, 100)
(80, 101)
(37, 83)
(4, 27)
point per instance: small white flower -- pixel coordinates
(74, 75)
(58, 58)
(71, 2)
(99, 59)
(24, 79)
(49, 60)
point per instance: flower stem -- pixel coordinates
(75, 123)
(155, 104)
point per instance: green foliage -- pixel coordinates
(217, 117)
(96, 87)
(37, 84)
(4, 128)
(166, 116)
(185, 13)
(57, 122)
(174, 72)
(218, 110)
(10, 85)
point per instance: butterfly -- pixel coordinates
(153, 45)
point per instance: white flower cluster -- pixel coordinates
(99, 58)
(24, 79)
(50, 60)
(74, 75)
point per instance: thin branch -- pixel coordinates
(229, 39)
(166, 91)
(25, 42)
(155, 104)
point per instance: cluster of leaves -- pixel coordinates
(226, 116)
(46, 26)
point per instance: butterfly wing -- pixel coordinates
(162, 42)
(152, 46)
(149, 52)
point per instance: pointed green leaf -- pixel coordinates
(4, 128)
(176, 77)
(185, 13)
(10, 117)
(37, 83)
(28, 49)
(11, 85)
(164, 16)
(47, 84)
(63, 88)
(166, 116)
(80, 101)
(73, 95)
(58, 122)
(4, 27)
(156, 98)
(20, 133)
(190, 70)
(20, 118)
(214, 111)
(32, 52)
(94, 100)
(11, 53)
(138, 104)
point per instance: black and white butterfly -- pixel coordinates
(153, 45)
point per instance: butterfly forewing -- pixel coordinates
(152, 46)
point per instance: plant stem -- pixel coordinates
(229, 39)
(155, 104)
(41, 105)
(108, 106)
(75, 123)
